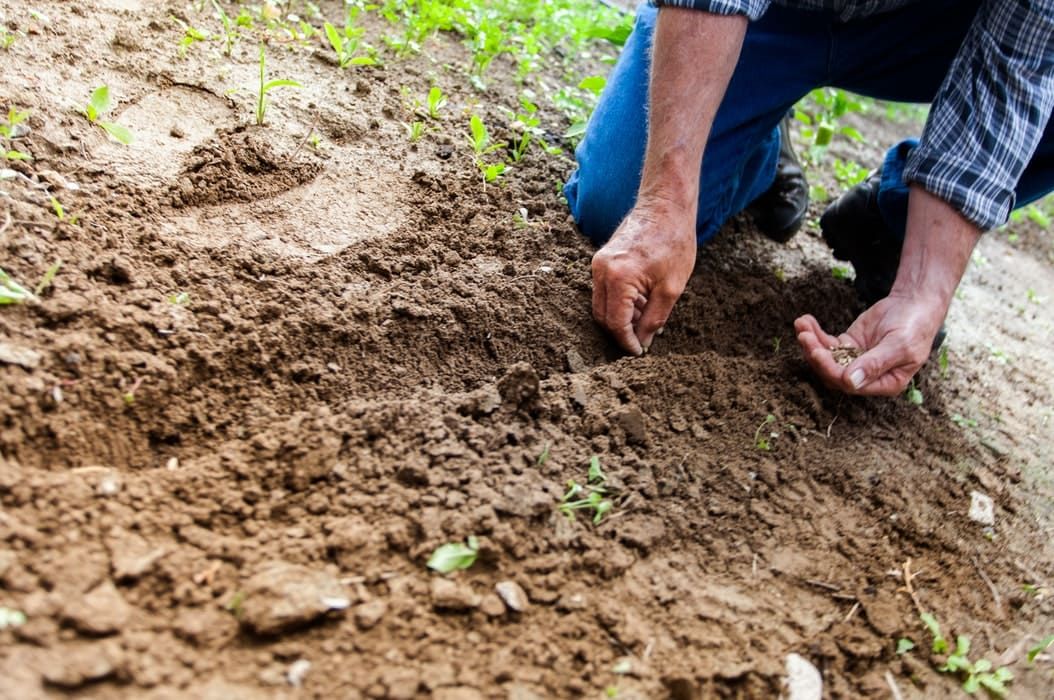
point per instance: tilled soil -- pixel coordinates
(377, 354)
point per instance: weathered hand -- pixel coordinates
(641, 272)
(895, 336)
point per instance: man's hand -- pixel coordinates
(641, 272)
(894, 335)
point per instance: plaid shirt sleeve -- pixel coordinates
(752, 9)
(990, 113)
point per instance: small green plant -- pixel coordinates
(61, 214)
(849, 173)
(975, 674)
(913, 394)
(942, 361)
(962, 421)
(904, 645)
(7, 38)
(763, 442)
(97, 106)
(230, 29)
(543, 457)
(436, 101)
(48, 278)
(234, 605)
(266, 86)
(841, 272)
(1040, 648)
(11, 292)
(454, 556)
(11, 618)
(179, 299)
(191, 35)
(776, 342)
(492, 171)
(346, 44)
(590, 496)
(416, 129)
(11, 130)
(479, 137)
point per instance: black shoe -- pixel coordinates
(780, 211)
(853, 227)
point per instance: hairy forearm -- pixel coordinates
(937, 248)
(693, 57)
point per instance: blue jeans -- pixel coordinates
(901, 55)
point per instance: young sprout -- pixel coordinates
(591, 496)
(100, 104)
(479, 137)
(266, 87)
(490, 172)
(191, 35)
(230, 31)
(346, 44)
(913, 394)
(762, 442)
(48, 278)
(454, 556)
(417, 130)
(11, 292)
(12, 129)
(436, 101)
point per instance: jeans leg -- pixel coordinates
(784, 56)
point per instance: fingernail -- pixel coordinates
(857, 378)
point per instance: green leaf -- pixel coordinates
(334, 39)
(594, 83)
(117, 131)
(11, 618)
(479, 132)
(596, 474)
(282, 82)
(972, 684)
(904, 645)
(17, 155)
(1040, 648)
(363, 61)
(46, 280)
(11, 292)
(575, 130)
(940, 644)
(454, 556)
(100, 103)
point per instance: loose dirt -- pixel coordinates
(234, 493)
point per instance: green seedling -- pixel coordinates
(1040, 648)
(48, 278)
(61, 214)
(230, 29)
(7, 38)
(129, 396)
(904, 645)
(454, 556)
(940, 644)
(490, 172)
(962, 421)
(191, 35)
(12, 129)
(100, 104)
(975, 674)
(11, 292)
(849, 173)
(315, 141)
(266, 86)
(179, 299)
(776, 342)
(762, 442)
(913, 394)
(417, 130)
(1037, 216)
(479, 137)
(234, 605)
(590, 496)
(436, 101)
(346, 43)
(942, 361)
(841, 272)
(543, 457)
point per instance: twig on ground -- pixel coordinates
(893, 688)
(310, 130)
(908, 578)
(991, 587)
(852, 611)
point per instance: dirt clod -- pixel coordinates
(457, 597)
(513, 595)
(282, 596)
(101, 611)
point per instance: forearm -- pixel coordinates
(693, 57)
(937, 248)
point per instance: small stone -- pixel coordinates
(297, 671)
(520, 384)
(283, 596)
(447, 595)
(369, 614)
(631, 420)
(578, 393)
(109, 485)
(513, 595)
(209, 628)
(491, 605)
(803, 681)
(176, 132)
(99, 612)
(575, 363)
(572, 602)
(17, 355)
(131, 556)
(172, 464)
(73, 666)
(982, 509)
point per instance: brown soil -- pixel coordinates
(374, 352)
